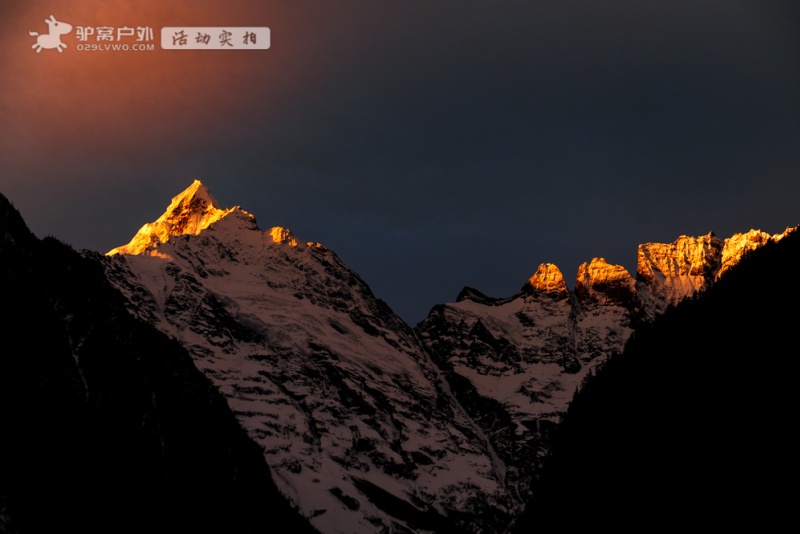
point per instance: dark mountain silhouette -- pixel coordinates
(107, 426)
(693, 424)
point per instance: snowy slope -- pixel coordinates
(358, 427)
(528, 354)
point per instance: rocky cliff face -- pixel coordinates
(668, 273)
(601, 283)
(355, 421)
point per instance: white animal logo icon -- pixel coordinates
(52, 39)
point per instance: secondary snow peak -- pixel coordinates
(548, 279)
(282, 236)
(602, 282)
(190, 212)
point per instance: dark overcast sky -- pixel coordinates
(431, 144)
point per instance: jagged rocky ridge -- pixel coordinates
(515, 363)
(354, 419)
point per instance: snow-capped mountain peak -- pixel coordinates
(355, 420)
(190, 212)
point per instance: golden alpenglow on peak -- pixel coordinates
(601, 272)
(600, 281)
(736, 246)
(548, 278)
(282, 236)
(190, 212)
